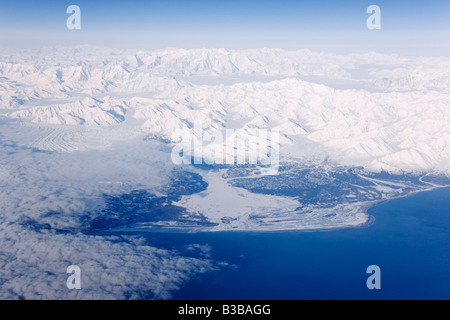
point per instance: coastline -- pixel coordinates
(364, 208)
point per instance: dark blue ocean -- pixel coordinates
(409, 240)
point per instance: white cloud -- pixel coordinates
(42, 192)
(33, 266)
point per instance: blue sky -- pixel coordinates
(423, 26)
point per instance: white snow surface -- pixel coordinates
(384, 112)
(233, 208)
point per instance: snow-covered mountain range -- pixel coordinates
(384, 112)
